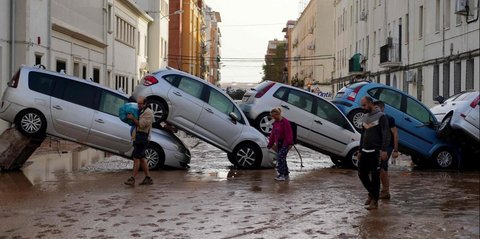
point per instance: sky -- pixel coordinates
(246, 27)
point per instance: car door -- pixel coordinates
(185, 98)
(108, 131)
(297, 107)
(417, 124)
(215, 123)
(330, 130)
(72, 108)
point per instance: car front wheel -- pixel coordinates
(445, 128)
(246, 156)
(356, 118)
(31, 123)
(154, 156)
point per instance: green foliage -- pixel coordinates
(273, 69)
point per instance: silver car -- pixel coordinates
(42, 102)
(321, 125)
(459, 112)
(202, 109)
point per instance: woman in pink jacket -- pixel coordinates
(281, 140)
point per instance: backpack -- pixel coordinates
(293, 125)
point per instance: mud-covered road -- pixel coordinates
(83, 196)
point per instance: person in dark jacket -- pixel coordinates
(281, 141)
(374, 142)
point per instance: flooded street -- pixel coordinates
(80, 194)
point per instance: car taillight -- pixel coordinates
(14, 81)
(149, 80)
(264, 90)
(354, 93)
(475, 102)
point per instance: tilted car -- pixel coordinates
(459, 113)
(205, 111)
(415, 123)
(42, 102)
(321, 125)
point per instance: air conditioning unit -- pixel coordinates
(311, 47)
(411, 76)
(461, 7)
(390, 41)
(363, 15)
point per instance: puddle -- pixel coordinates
(46, 166)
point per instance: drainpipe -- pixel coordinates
(49, 34)
(12, 37)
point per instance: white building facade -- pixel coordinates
(424, 47)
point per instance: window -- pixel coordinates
(457, 84)
(84, 72)
(374, 42)
(469, 76)
(417, 111)
(301, 100)
(61, 65)
(110, 103)
(447, 14)
(367, 44)
(405, 83)
(280, 93)
(38, 59)
(328, 112)
(96, 75)
(387, 79)
(79, 93)
(191, 87)
(110, 18)
(420, 22)
(436, 81)
(220, 102)
(170, 78)
(437, 16)
(125, 32)
(407, 28)
(121, 82)
(446, 79)
(76, 69)
(40, 82)
(391, 98)
(145, 46)
(419, 84)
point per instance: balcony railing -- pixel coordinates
(390, 56)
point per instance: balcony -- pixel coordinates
(390, 56)
(355, 65)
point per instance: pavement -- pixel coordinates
(80, 194)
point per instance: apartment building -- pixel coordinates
(212, 45)
(312, 40)
(288, 29)
(424, 47)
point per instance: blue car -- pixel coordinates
(417, 134)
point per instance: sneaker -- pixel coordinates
(280, 178)
(130, 181)
(373, 205)
(369, 200)
(385, 195)
(147, 181)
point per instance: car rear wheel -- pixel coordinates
(264, 123)
(356, 118)
(155, 156)
(444, 158)
(246, 155)
(160, 110)
(338, 161)
(352, 158)
(445, 128)
(31, 123)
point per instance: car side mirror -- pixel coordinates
(440, 99)
(233, 116)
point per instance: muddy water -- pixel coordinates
(65, 198)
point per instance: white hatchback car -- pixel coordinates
(321, 125)
(43, 102)
(459, 112)
(202, 109)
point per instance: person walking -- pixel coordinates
(140, 137)
(281, 141)
(392, 151)
(374, 141)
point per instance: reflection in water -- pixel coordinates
(45, 167)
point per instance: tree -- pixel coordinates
(274, 67)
